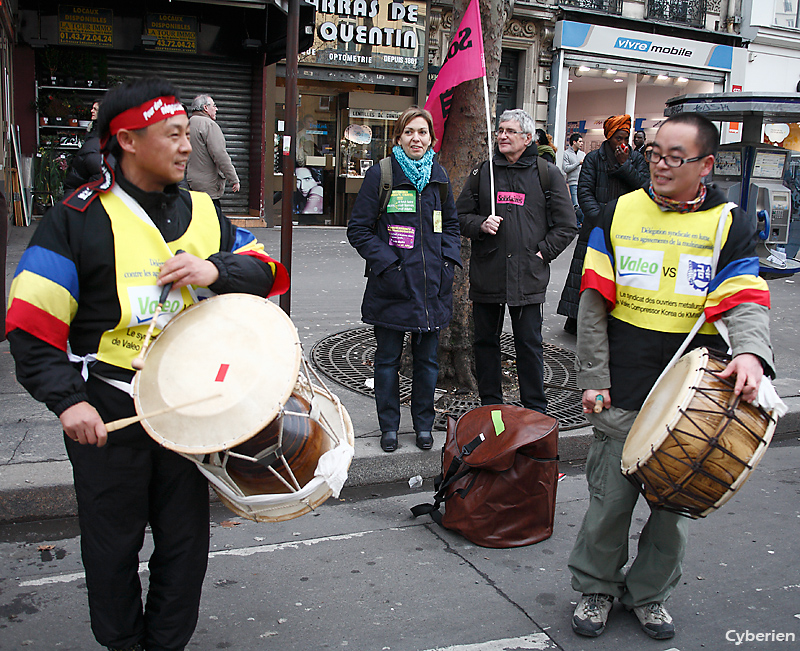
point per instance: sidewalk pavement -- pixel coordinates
(35, 475)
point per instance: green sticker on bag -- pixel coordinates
(497, 420)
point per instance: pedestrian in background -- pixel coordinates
(573, 159)
(209, 165)
(515, 236)
(622, 350)
(411, 246)
(545, 146)
(607, 173)
(86, 164)
(640, 141)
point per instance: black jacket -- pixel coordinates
(600, 176)
(596, 187)
(504, 267)
(410, 273)
(85, 165)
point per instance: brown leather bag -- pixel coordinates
(499, 477)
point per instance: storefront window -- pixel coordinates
(315, 155)
(366, 138)
(787, 13)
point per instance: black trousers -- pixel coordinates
(526, 323)
(120, 490)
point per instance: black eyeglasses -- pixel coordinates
(508, 132)
(652, 156)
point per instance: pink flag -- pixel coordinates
(464, 61)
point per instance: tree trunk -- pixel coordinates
(465, 146)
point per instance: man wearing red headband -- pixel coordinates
(79, 308)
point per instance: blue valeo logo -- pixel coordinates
(624, 43)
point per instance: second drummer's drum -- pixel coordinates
(694, 443)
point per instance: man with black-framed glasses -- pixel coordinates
(515, 236)
(647, 278)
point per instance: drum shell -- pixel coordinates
(709, 449)
(304, 442)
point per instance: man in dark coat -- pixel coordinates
(515, 235)
(608, 172)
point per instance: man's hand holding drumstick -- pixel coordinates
(595, 401)
(81, 422)
(186, 269)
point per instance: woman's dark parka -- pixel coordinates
(410, 266)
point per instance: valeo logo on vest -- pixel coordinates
(142, 303)
(639, 267)
(629, 265)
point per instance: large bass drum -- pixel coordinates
(273, 444)
(694, 443)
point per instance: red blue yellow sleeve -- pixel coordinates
(598, 268)
(247, 244)
(44, 296)
(737, 283)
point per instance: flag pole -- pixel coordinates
(489, 137)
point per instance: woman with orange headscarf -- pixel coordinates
(608, 172)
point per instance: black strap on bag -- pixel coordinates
(454, 473)
(443, 482)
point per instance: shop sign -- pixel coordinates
(172, 33)
(85, 26)
(375, 114)
(597, 39)
(375, 34)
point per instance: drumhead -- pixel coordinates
(237, 355)
(662, 409)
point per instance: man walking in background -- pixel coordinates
(573, 159)
(209, 165)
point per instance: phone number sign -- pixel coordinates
(173, 33)
(86, 26)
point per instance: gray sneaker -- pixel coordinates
(590, 615)
(655, 620)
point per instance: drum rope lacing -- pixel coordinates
(274, 453)
(694, 463)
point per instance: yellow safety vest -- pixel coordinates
(662, 263)
(139, 252)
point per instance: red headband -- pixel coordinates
(152, 111)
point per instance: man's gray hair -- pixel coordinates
(200, 102)
(525, 121)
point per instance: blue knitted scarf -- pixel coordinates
(417, 171)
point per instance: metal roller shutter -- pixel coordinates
(228, 81)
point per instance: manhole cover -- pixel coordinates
(347, 358)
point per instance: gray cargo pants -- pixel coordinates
(601, 549)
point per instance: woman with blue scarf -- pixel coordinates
(411, 249)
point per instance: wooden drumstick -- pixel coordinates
(114, 425)
(138, 361)
(598, 403)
